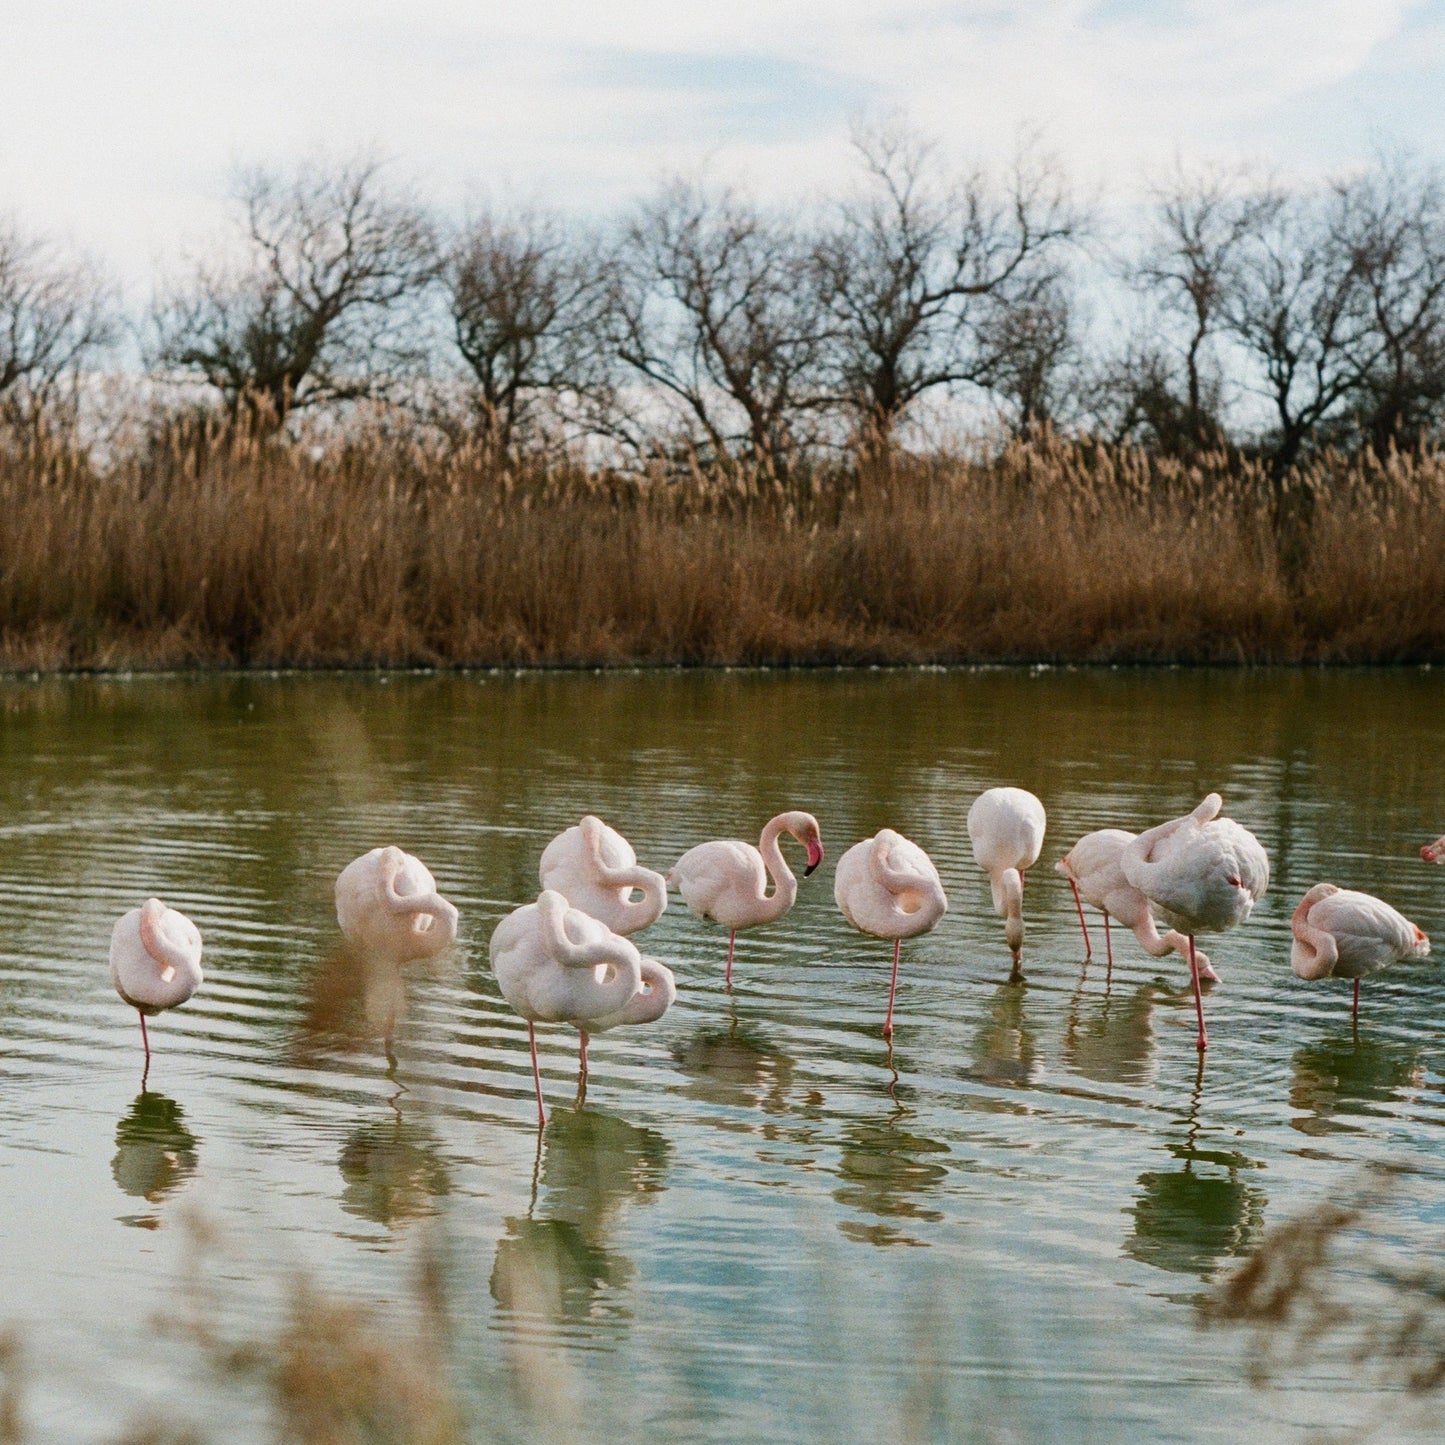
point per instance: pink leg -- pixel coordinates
(1109, 946)
(582, 1068)
(1355, 1011)
(892, 989)
(728, 976)
(1198, 997)
(144, 1037)
(1088, 947)
(536, 1074)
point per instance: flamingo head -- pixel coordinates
(1434, 852)
(804, 827)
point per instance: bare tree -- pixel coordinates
(1031, 356)
(916, 263)
(312, 310)
(55, 314)
(713, 305)
(527, 307)
(1189, 268)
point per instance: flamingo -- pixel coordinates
(556, 964)
(1434, 852)
(1095, 871)
(726, 881)
(1339, 933)
(155, 961)
(1204, 873)
(888, 887)
(594, 868)
(1006, 828)
(388, 907)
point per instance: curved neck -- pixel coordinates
(785, 886)
(171, 957)
(611, 949)
(655, 996)
(1315, 951)
(1008, 903)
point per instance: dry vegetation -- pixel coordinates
(207, 550)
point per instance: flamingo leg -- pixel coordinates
(582, 1068)
(1198, 997)
(1355, 1009)
(536, 1074)
(892, 989)
(1108, 946)
(144, 1037)
(1088, 947)
(728, 976)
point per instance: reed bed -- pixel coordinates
(383, 550)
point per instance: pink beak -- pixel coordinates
(815, 856)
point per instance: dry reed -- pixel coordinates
(212, 551)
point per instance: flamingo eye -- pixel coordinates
(1234, 882)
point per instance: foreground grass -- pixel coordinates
(208, 552)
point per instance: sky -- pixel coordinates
(123, 123)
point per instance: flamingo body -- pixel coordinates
(888, 886)
(1203, 873)
(1095, 866)
(1006, 828)
(1339, 933)
(155, 957)
(726, 880)
(595, 868)
(387, 904)
(557, 964)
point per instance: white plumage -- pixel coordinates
(595, 868)
(1006, 828)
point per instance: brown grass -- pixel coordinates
(203, 551)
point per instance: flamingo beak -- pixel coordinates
(815, 856)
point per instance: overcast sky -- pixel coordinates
(122, 119)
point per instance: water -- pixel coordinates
(760, 1226)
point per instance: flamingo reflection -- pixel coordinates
(155, 1153)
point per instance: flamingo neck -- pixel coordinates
(785, 886)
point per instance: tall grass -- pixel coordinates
(215, 551)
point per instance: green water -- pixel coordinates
(762, 1226)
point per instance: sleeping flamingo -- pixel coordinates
(389, 909)
(155, 961)
(1095, 870)
(1339, 933)
(556, 964)
(726, 881)
(1434, 852)
(1006, 828)
(594, 868)
(888, 887)
(1203, 873)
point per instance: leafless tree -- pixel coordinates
(315, 307)
(1031, 356)
(56, 314)
(917, 262)
(527, 305)
(1189, 270)
(713, 306)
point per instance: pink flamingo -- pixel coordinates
(155, 961)
(1006, 828)
(388, 908)
(1203, 873)
(1339, 933)
(888, 887)
(727, 881)
(595, 869)
(1094, 867)
(556, 964)
(1434, 852)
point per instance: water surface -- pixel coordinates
(763, 1224)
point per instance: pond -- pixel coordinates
(763, 1224)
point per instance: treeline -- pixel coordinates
(1238, 318)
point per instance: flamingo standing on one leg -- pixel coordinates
(727, 881)
(1204, 873)
(595, 869)
(1006, 828)
(388, 907)
(1434, 852)
(888, 887)
(1094, 867)
(155, 961)
(556, 964)
(1339, 933)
